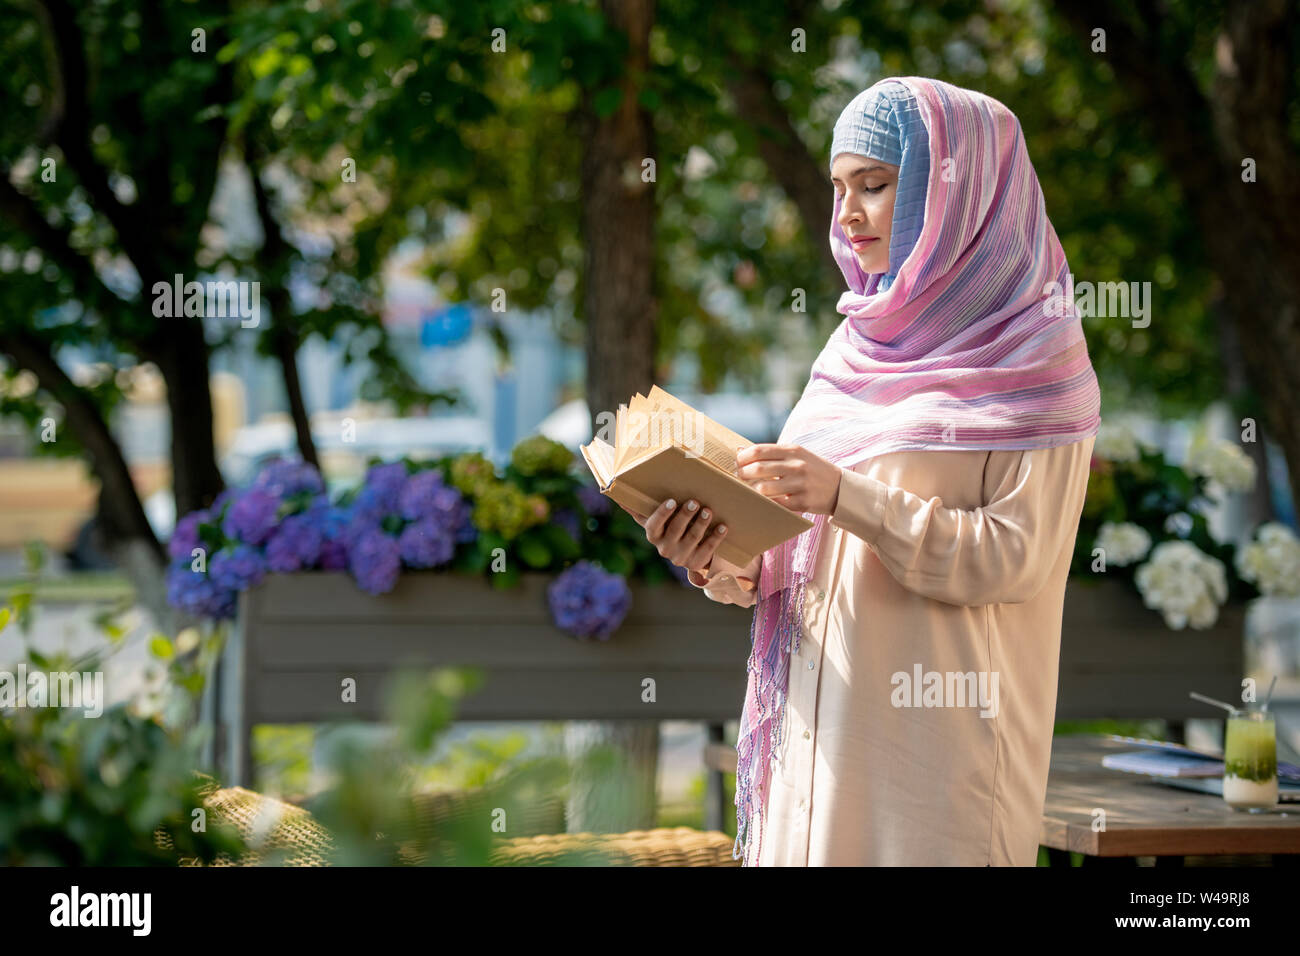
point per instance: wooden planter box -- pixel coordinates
(1120, 659)
(298, 636)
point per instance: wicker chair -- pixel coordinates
(281, 833)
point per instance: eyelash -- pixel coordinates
(869, 189)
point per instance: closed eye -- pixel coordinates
(870, 189)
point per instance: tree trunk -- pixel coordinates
(618, 217)
(1251, 229)
(181, 353)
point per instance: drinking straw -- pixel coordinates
(1269, 695)
(1216, 703)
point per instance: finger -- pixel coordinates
(767, 468)
(762, 451)
(779, 488)
(699, 527)
(654, 526)
(677, 526)
(703, 554)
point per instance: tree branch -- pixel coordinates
(70, 128)
(785, 154)
(119, 501)
(274, 268)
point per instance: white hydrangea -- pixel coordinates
(1272, 561)
(1223, 462)
(1123, 543)
(1115, 443)
(1184, 584)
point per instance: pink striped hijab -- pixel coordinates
(959, 346)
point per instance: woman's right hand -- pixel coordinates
(681, 534)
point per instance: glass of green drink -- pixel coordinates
(1250, 761)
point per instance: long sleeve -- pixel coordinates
(1001, 553)
(729, 583)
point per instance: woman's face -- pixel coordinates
(864, 197)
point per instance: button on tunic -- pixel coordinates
(947, 563)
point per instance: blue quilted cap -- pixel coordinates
(884, 123)
(869, 125)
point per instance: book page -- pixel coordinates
(599, 455)
(638, 438)
(647, 424)
(680, 424)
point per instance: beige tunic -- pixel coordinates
(951, 562)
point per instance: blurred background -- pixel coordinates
(469, 222)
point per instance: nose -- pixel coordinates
(850, 211)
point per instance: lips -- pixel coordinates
(861, 242)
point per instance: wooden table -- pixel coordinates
(1147, 818)
(1143, 817)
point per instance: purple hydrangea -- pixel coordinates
(185, 536)
(333, 523)
(252, 516)
(283, 478)
(595, 504)
(588, 601)
(375, 560)
(295, 544)
(423, 495)
(226, 496)
(381, 494)
(427, 496)
(237, 568)
(195, 593)
(333, 555)
(426, 544)
(568, 519)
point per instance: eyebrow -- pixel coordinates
(860, 170)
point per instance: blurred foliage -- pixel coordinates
(469, 160)
(370, 809)
(79, 789)
(282, 758)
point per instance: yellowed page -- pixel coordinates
(599, 455)
(691, 429)
(639, 437)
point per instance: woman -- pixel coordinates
(902, 682)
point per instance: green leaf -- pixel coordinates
(161, 647)
(606, 101)
(533, 551)
(4, 618)
(559, 542)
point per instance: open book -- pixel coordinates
(664, 448)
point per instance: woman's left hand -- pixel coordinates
(792, 476)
